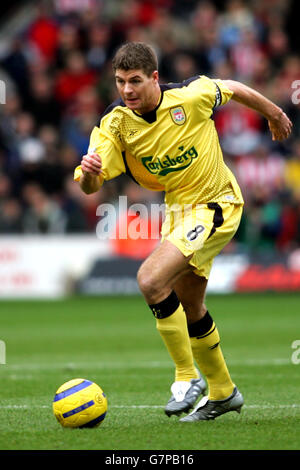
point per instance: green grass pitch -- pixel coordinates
(113, 341)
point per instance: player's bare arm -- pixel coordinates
(90, 181)
(279, 124)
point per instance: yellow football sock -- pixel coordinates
(174, 332)
(209, 357)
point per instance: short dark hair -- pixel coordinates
(135, 56)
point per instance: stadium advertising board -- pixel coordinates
(44, 266)
(52, 267)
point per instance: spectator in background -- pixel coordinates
(167, 59)
(277, 47)
(68, 41)
(209, 49)
(68, 157)
(81, 117)
(5, 187)
(212, 53)
(236, 17)
(77, 220)
(42, 104)
(42, 34)
(292, 170)
(51, 172)
(8, 141)
(289, 225)
(280, 88)
(73, 78)
(10, 217)
(86, 103)
(239, 129)
(15, 64)
(262, 220)
(65, 7)
(42, 215)
(31, 151)
(184, 66)
(246, 54)
(165, 27)
(260, 169)
(10, 208)
(98, 48)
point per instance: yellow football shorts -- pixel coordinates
(202, 231)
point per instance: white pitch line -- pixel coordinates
(254, 406)
(135, 365)
(295, 405)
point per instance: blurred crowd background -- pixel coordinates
(57, 71)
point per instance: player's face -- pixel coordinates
(138, 91)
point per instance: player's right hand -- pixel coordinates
(280, 126)
(91, 163)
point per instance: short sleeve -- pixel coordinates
(223, 93)
(208, 94)
(111, 155)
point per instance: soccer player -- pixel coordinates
(165, 138)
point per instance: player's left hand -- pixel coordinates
(280, 127)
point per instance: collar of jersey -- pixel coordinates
(150, 117)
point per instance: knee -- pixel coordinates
(148, 283)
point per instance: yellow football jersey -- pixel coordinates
(174, 148)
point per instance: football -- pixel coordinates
(79, 403)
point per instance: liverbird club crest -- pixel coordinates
(178, 115)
